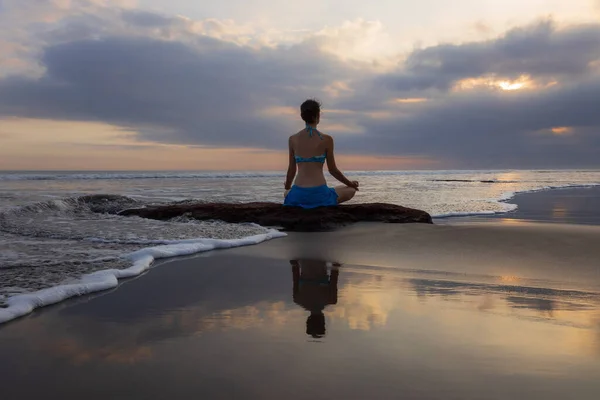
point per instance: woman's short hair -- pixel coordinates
(310, 110)
(315, 325)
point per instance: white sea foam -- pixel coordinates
(59, 248)
(23, 304)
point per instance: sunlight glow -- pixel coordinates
(410, 100)
(29, 144)
(338, 88)
(491, 82)
(279, 111)
(562, 130)
(509, 278)
(506, 85)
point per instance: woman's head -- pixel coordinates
(310, 111)
(315, 324)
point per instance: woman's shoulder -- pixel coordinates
(327, 137)
(295, 135)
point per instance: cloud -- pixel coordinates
(358, 40)
(220, 84)
(26, 25)
(491, 127)
(146, 19)
(540, 50)
(210, 93)
(499, 129)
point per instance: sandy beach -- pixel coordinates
(565, 205)
(320, 200)
(467, 311)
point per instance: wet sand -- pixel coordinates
(468, 311)
(565, 206)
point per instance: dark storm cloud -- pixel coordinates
(488, 127)
(539, 50)
(498, 129)
(211, 94)
(205, 91)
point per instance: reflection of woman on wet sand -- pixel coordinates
(314, 289)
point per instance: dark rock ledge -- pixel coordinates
(288, 218)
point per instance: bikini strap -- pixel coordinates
(310, 130)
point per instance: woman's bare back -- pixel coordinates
(306, 146)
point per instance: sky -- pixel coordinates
(188, 85)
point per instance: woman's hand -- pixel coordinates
(354, 185)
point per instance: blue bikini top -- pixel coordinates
(321, 158)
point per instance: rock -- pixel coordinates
(288, 218)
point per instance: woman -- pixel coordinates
(309, 149)
(314, 289)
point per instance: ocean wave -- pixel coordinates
(22, 304)
(65, 242)
(473, 180)
(196, 175)
(60, 248)
(129, 175)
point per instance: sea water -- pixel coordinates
(60, 234)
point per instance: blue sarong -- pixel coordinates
(311, 197)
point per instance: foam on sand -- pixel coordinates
(23, 304)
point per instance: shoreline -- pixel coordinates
(495, 308)
(20, 305)
(569, 204)
(367, 244)
(102, 280)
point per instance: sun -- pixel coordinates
(506, 85)
(522, 82)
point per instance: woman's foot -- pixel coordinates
(344, 193)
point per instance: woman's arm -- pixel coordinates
(291, 172)
(333, 169)
(295, 278)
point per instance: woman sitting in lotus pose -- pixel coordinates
(309, 149)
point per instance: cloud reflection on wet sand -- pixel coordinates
(495, 320)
